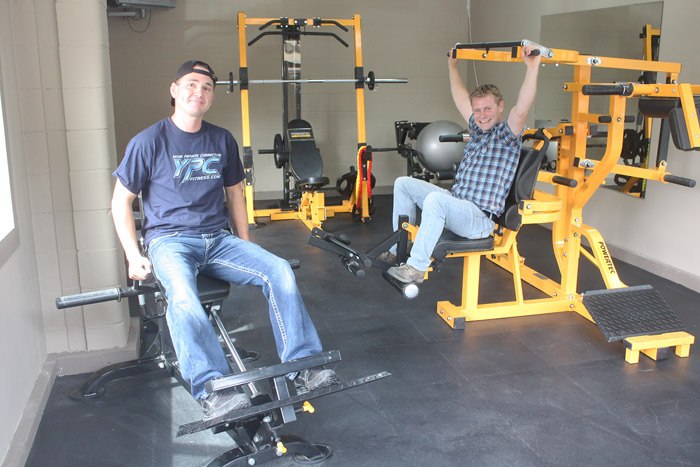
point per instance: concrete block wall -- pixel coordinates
(67, 120)
(83, 46)
(43, 131)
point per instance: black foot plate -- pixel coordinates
(631, 311)
(239, 415)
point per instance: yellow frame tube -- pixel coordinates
(249, 183)
(312, 210)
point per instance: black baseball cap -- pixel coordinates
(189, 67)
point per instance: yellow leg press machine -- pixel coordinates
(637, 316)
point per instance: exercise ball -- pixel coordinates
(434, 155)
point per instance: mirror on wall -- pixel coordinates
(607, 32)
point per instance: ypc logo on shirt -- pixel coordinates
(191, 167)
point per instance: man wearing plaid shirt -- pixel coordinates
(484, 176)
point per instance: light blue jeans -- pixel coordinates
(178, 258)
(439, 210)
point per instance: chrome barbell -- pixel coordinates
(368, 81)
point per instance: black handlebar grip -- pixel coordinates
(622, 89)
(88, 298)
(534, 52)
(558, 179)
(458, 138)
(355, 268)
(445, 174)
(689, 182)
(266, 151)
(608, 119)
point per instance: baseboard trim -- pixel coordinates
(73, 363)
(28, 425)
(676, 275)
(653, 266)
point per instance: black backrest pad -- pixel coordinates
(524, 182)
(304, 158)
(670, 108)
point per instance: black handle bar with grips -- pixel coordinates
(676, 180)
(105, 295)
(622, 89)
(559, 180)
(458, 138)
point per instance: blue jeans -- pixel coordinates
(439, 210)
(178, 258)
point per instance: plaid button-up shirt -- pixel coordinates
(488, 167)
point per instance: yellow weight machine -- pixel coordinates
(308, 201)
(636, 315)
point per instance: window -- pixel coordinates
(8, 232)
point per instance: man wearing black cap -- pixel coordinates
(183, 166)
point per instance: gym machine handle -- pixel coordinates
(458, 138)
(540, 136)
(383, 149)
(689, 182)
(559, 180)
(622, 89)
(354, 267)
(117, 293)
(105, 295)
(284, 22)
(538, 49)
(608, 119)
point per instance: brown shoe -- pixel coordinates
(217, 404)
(406, 274)
(314, 378)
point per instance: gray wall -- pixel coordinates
(398, 41)
(22, 349)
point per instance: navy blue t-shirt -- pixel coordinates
(181, 177)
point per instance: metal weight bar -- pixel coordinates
(369, 81)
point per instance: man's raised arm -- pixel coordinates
(518, 114)
(460, 95)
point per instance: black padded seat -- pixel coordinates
(452, 243)
(211, 290)
(312, 183)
